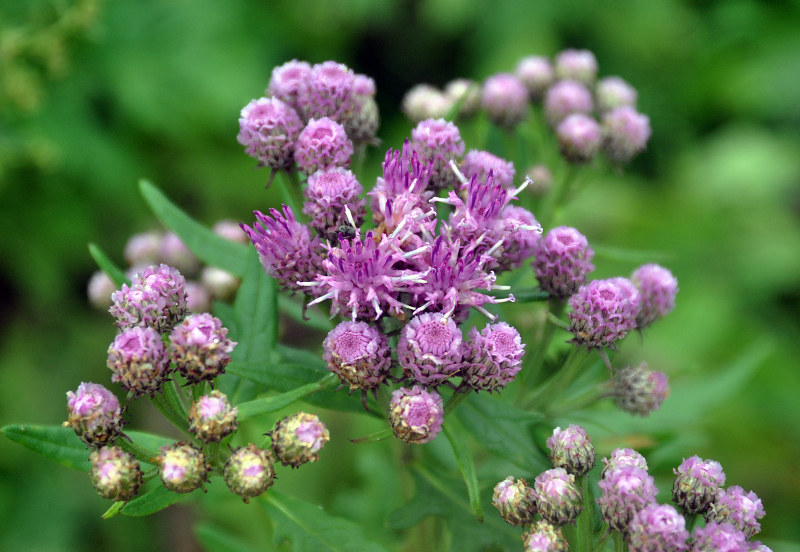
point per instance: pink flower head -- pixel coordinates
(625, 491)
(696, 484)
(579, 65)
(543, 536)
(363, 125)
(182, 468)
(416, 415)
(287, 80)
(268, 130)
(631, 293)
(429, 349)
(230, 230)
(564, 98)
(557, 498)
(505, 99)
(156, 298)
(473, 220)
(479, 163)
(358, 354)
(464, 93)
(638, 390)
(571, 449)
(625, 133)
(563, 260)
(623, 457)
(512, 499)
(493, 357)
(537, 74)
(602, 313)
(579, 138)
(143, 249)
(742, 510)
(94, 414)
(613, 92)
(329, 193)
(200, 347)
(518, 233)
(718, 537)
(328, 91)
(174, 253)
(212, 417)
(297, 439)
(138, 360)
(424, 101)
(438, 141)
(657, 528)
(322, 144)
(658, 288)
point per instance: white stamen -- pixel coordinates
(397, 229)
(349, 216)
(321, 299)
(417, 250)
(502, 288)
(422, 308)
(309, 284)
(461, 178)
(377, 308)
(494, 248)
(524, 185)
(484, 312)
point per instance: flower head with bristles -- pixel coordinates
(268, 129)
(518, 234)
(200, 347)
(298, 438)
(623, 457)
(657, 288)
(601, 314)
(138, 360)
(696, 484)
(212, 417)
(624, 492)
(558, 499)
(287, 80)
(571, 449)
(734, 506)
(363, 125)
(545, 537)
(718, 537)
(328, 91)
(479, 163)
(657, 528)
(322, 144)
(638, 390)
(358, 354)
(429, 349)
(156, 298)
(328, 193)
(563, 260)
(115, 473)
(512, 499)
(94, 414)
(493, 357)
(248, 472)
(416, 415)
(182, 468)
(438, 141)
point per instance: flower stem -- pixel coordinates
(599, 545)
(584, 520)
(619, 544)
(535, 362)
(169, 404)
(559, 381)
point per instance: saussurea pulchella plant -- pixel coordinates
(418, 276)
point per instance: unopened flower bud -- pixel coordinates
(556, 496)
(416, 415)
(115, 474)
(298, 438)
(572, 450)
(358, 354)
(657, 528)
(424, 101)
(536, 73)
(268, 130)
(734, 506)
(493, 357)
(363, 125)
(143, 249)
(182, 468)
(200, 348)
(94, 414)
(638, 390)
(439, 141)
(563, 260)
(466, 92)
(322, 144)
(328, 91)
(625, 133)
(287, 80)
(623, 457)
(220, 283)
(430, 349)
(198, 299)
(212, 418)
(231, 231)
(330, 193)
(138, 360)
(602, 312)
(579, 138)
(173, 252)
(657, 290)
(545, 537)
(99, 290)
(505, 99)
(512, 499)
(696, 484)
(625, 491)
(541, 180)
(479, 163)
(564, 98)
(156, 298)
(613, 92)
(718, 537)
(579, 65)
(248, 471)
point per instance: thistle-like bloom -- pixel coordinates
(657, 289)
(572, 450)
(734, 506)
(473, 220)
(625, 133)
(248, 472)
(268, 130)
(657, 528)
(287, 80)
(505, 99)
(298, 438)
(322, 144)
(479, 163)
(138, 360)
(718, 537)
(545, 537)
(638, 390)
(285, 247)
(182, 468)
(200, 347)
(143, 249)
(156, 298)
(493, 357)
(537, 74)
(512, 499)
(429, 349)
(556, 496)
(115, 474)
(696, 484)
(212, 417)
(438, 141)
(363, 125)
(564, 98)
(416, 415)
(563, 260)
(518, 233)
(328, 91)
(94, 414)
(579, 138)
(361, 279)
(578, 65)
(328, 194)
(424, 101)
(358, 354)
(613, 92)
(623, 457)
(465, 91)
(601, 314)
(173, 252)
(626, 490)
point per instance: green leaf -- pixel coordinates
(55, 442)
(108, 266)
(154, 500)
(310, 529)
(314, 317)
(215, 539)
(629, 255)
(276, 402)
(466, 464)
(209, 247)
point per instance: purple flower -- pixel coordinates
(212, 418)
(173, 252)
(322, 144)
(328, 91)
(556, 496)
(563, 260)
(115, 474)
(429, 349)
(505, 99)
(138, 360)
(657, 528)
(696, 484)
(537, 74)
(578, 65)
(758, 546)
(623, 457)
(416, 415)
(657, 288)
(613, 92)
(579, 138)
(493, 357)
(638, 390)
(182, 468)
(297, 439)
(625, 133)
(200, 347)
(625, 491)
(248, 472)
(519, 233)
(94, 414)
(143, 249)
(438, 141)
(742, 510)
(268, 130)
(545, 537)
(358, 354)
(601, 314)
(156, 298)
(512, 499)
(424, 101)
(198, 297)
(287, 80)
(718, 537)
(363, 124)
(473, 220)
(285, 247)
(572, 450)
(328, 193)
(479, 163)
(465, 91)
(564, 98)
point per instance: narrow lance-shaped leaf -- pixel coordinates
(154, 500)
(466, 464)
(276, 402)
(108, 266)
(54, 442)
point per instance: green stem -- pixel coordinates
(599, 546)
(169, 404)
(580, 403)
(691, 519)
(293, 194)
(139, 452)
(553, 387)
(535, 362)
(585, 518)
(558, 197)
(619, 544)
(454, 401)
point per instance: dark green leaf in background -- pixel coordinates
(55, 442)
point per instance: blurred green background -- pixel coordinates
(97, 94)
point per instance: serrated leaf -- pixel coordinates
(311, 529)
(216, 539)
(205, 244)
(54, 442)
(108, 266)
(466, 464)
(154, 500)
(276, 402)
